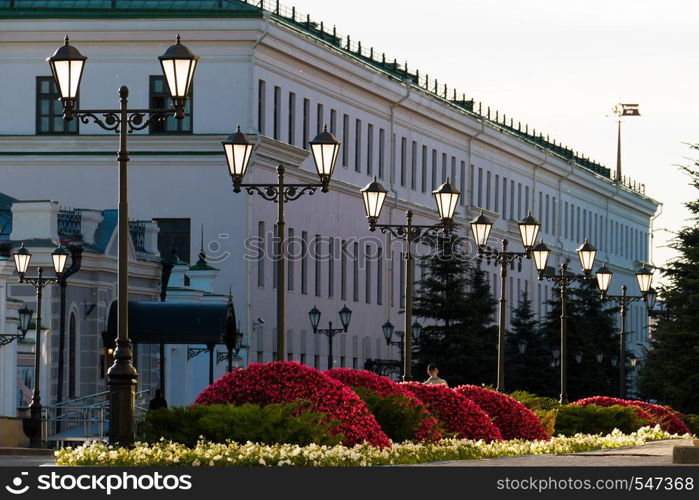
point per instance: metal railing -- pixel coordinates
(137, 228)
(85, 418)
(69, 224)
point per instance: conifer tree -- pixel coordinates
(670, 372)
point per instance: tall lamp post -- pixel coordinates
(389, 330)
(528, 230)
(563, 279)
(178, 65)
(238, 150)
(22, 257)
(314, 317)
(644, 277)
(447, 197)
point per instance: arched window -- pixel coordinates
(72, 347)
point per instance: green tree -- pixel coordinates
(454, 297)
(529, 371)
(670, 372)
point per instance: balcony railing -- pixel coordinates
(69, 225)
(137, 228)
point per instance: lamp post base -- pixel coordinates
(122, 398)
(32, 428)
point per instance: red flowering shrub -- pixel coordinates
(285, 381)
(428, 429)
(514, 420)
(664, 416)
(457, 414)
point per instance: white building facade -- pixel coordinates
(282, 79)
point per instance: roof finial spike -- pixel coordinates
(178, 38)
(202, 254)
(65, 40)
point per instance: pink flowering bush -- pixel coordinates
(664, 416)
(285, 381)
(457, 414)
(428, 429)
(512, 418)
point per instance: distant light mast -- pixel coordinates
(622, 110)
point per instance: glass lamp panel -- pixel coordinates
(529, 230)
(556, 353)
(522, 346)
(325, 158)
(447, 198)
(22, 258)
(481, 227)
(587, 253)
(604, 278)
(599, 355)
(178, 64)
(59, 258)
(374, 195)
(388, 329)
(578, 356)
(651, 297)
(238, 152)
(345, 316)
(25, 318)
(314, 317)
(644, 278)
(540, 254)
(417, 330)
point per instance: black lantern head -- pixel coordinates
(388, 330)
(178, 65)
(314, 317)
(67, 65)
(345, 316)
(325, 148)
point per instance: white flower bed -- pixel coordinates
(251, 454)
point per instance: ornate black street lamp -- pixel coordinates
(178, 65)
(522, 346)
(238, 150)
(528, 229)
(389, 331)
(314, 317)
(374, 196)
(25, 318)
(22, 258)
(644, 277)
(563, 280)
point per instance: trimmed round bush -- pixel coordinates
(287, 381)
(664, 416)
(428, 428)
(457, 414)
(514, 420)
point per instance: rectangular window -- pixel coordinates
(331, 266)
(541, 210)
(277, 112)
(413, 165)
(343, 271)
(355, 272)
(487, 190)
(471, 185)
(49, 110)
(367, 273)
(318, 275)
(382, 151)
(519, 201)
(434, 169)
(379, 275)
(304, 262)
(160, 99)
(333, 122)
(261, 254)
(504, 197)
(512, 199)
(370, 149)
(290, 266)
(261, 105)
(424, 169)
(479, 202)
(577, 224)
(554, 229)
(345, 140)
(444, 168)
(496, 201)
(358, 145)
(306, 119)
(462, 184)
(292, 118)
(565, 220)
(548, 227)
(320, 117)
(403, 159)
(174, 238)
(453, 170)
(585, 228)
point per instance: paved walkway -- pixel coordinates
(655, 453)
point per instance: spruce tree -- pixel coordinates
(529, 371)
(480, 327)
(670, 372)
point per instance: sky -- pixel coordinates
(559, 66)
